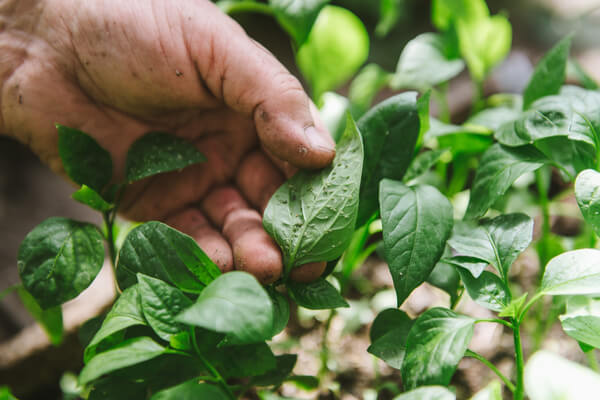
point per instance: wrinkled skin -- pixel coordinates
(118, 69)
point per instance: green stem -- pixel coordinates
(497, 321)
(210, 368)
(486, 362)
(109, 222)
(247, 6)
(441, 97)
(519, 393)
(527, 307)
(477, 96)
(456, 301)
(541, 181)
(324, 348)
(592, 361)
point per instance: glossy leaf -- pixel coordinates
(388, 336)
(436, 343)
(426, 61)
(474, 265)
(50, 319)
(487, 290)
(335, 49)
(158, 152)
(162, 252)
(59, 259)
(297, 16)
(240, 361)
(417, 221)
(191, 390)
(587, 192)
(84, 160)
(88, 196)
(574, 272)
(365, 86)
(281, 310)
(582, 320)
(161, 303)
(427, 393)
(499, 167)
(235, 304)
(284, 367)
(549, 74)
(422, 163)
(317, 295)
(312, 216)
(390, 131)
(445, 277)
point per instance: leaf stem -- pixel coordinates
(496, 320)
(592, 361)
(488, 363)
(527, 307)
(519, 392)
(541, 181)
(324, 347)
(210, 368)
(109, 222)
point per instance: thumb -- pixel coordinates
(250, 80)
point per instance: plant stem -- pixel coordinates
(109, 222)
(477, 96)
(519, 392)
(324, 348)
(488, 363)
(592, 361)
(496, 320)
(210, 368)
(541, 180)
(441, 96)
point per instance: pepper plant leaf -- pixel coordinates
(191, 390)
(427, 393)
(587, 192)
(50, 319)
(317, 295)
(582, 320)
(388, 336)
(88, 196)
(572, 273)
(488, 290)
(297, 16)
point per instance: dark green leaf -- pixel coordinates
(243, 361)
(304, 382)
(162, 252)
(388, 336)
(474, 265)
(582, 320)
(587, 192)
(390, 131)
(84, 160)
(50, 319)
(422, 163)
(365, 86)
(158, 152)
(436, 343)
(281, 310)
(549, 74)
(117, 389)
(317, 295)
(466, 139)
(284, 367)
(161, 302)
(487, 290)
(417, 221)
(59, 259)
(191, 390)
(574, 272)
(499, 167)
(445, 277)
(312, 216)
(130, 352)
(297, 16)
(428, 393)
(88, 196)
(235, 304)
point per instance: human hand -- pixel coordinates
(117, 70)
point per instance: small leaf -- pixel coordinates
(84, 160)
(427, 393)
(88, 196)
(417, 221)
(487, 290)
(365, 86)
(390, 13)
(549, 74)
(436, 343)
(587, 192)
(50, 319)
(422, 163)
(582, 320)
(493, 391)
(388, 336)
(191, 390)
(312, 216)
(158, 152)
(243, 361)
(235, 304)
(304, 382)
(474, 265)
(281, 310)
(513, 309)
(317, 295)
(574, 272)
(59, 259)
(284, 367)
(445, 277)
(161, 303)
(297, 16)
(128, 353)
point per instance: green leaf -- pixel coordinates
(499, 167)
(390, 131)
(513, 309)
(59, 259)
(317, 295)
(333, 113)
(335, 49)
(493, 391)
(84, 160)
(191, 390)
(312, 216)
(5, 394)
(50, 319)
(436, 343)
(281, 310)
(426, 61)
(474, 265)
(297, 16)
(571, 156)
(365, 86)
(465, 139)
(162, 252)
(494, 118)
(390, 13)
(158, 152)
(550, 377)
(243, 361)
(114, 388)
(445, 277)
(88, 196)
(422, 163)
(126, 312)
(284, 367)
(582, 320)
(304, 382)
(576, 71)
(427, 393)
(235, 304)
(417, 221)
(161, 303)
(444, 13)
(574, 272)
(549, 74)
(128, 353)
(388, 336)
(587, 192)
(487, 290)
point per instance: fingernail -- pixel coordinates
(318, 141)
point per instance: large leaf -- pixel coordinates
(582, 320)
(158, 152)
(417, 221)
(499, 167)
(549, 73)
(191, 390)
(297, 16)
(587, 192)
(427, 393)
(574, 272)
(235, 304)
(317, 295)
(436, 343)
(128, 353)
(59, 259)
(487, 290)
(161, 303)
(390, 131)
(312, 216)
(388, 336)
(335, 49)
(550, 377)
(50, 319)
(426, 61)
(84, 160)
(444, 13)
(162, 252)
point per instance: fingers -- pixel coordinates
(258, 179)
(308, 272)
